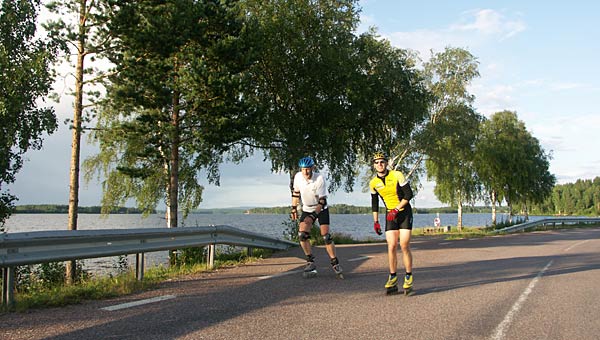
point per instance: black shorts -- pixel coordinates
(404, 220)
(323, 216)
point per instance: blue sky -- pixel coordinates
(537, 58)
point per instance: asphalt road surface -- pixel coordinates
(542, 285)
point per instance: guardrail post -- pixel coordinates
(250, 251)
(210, 261)
(8, 287)
(139, 266)
(3, 297)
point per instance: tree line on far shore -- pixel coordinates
(64, 209)
(579, 198)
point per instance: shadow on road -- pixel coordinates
(217, 298)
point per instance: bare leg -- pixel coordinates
(329, 247)
(391, 237)
(406, 252)
(305, 227)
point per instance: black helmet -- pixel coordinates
(379, 155)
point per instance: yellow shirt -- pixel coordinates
(389, 188)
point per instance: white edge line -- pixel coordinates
(575, 245)
(138, 303)
(503, 326)
(358, 258)
(279, 274)
(299, 271)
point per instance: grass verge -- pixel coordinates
(104, 287)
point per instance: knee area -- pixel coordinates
(303, 236)
(327, 238)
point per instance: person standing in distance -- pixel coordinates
(396, 193)
(310, 187)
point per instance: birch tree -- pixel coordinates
(451, 157)
(25, 80)
(79, 26)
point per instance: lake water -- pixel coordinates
(359, 227)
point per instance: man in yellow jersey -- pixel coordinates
(395, 192)
(310, 187)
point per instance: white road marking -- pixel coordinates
(575, 245)
(300, 271)
(279, 274)
(444, 243)
(138, 303)
(358, 258)
(500, 331)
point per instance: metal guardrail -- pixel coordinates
(548, 221)
(35, 247)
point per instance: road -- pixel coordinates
(541, 285)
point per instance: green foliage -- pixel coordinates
(334, 209)
(173, 94)
(290, 231)
(45, 276)
(188, 256)
(121, 265)
(312, 68)
(92, 288)
(63, 209)
(506, 148)
(579, 198)
(508, 222)
(448, 137)
(451, 158)
(25, 79)
(52, 293)
(446, 77)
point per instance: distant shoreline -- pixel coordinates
(335, 209)
(64, 209)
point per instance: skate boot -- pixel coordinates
(408, 284)
(310, 270)
(391, 286)
(335, 265)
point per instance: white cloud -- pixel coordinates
(489, 22)
(473, 29)
(422, 41)
(566, 86)
(490, 100)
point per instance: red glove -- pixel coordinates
(377, 228)
(391, 215)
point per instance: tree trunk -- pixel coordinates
(173, 187)
(174, 175)
(459, 206)
(76, 137)
(510, 212)
(292, 181)
(493, 207)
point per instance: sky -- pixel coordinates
(538, 58)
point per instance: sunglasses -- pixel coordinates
(379, 162)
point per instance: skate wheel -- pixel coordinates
(340, 276)
(308, 275)
(391, 291)
(408, 292)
